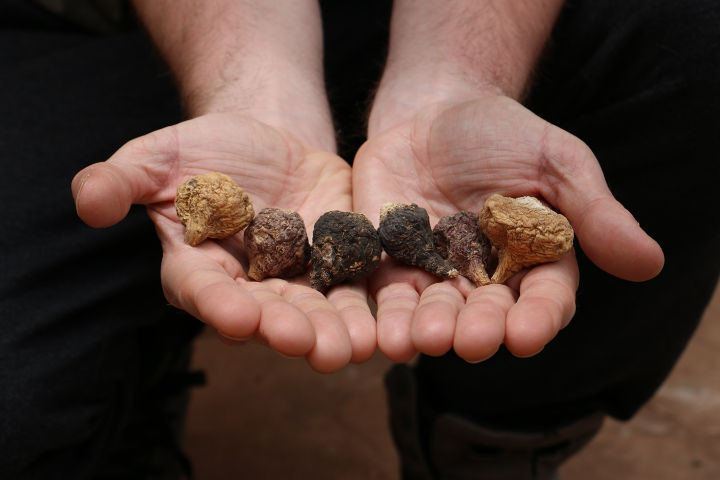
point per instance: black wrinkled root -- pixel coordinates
(459, 239)
(277, 244)
(406, 236)
(345, 248)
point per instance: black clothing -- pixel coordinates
(91, 355)
(639, 82)
(91, 352)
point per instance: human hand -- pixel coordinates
(450, 156)
(209, 281)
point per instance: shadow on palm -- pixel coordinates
(451, 157)
(209, 280)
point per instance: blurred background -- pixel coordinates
(266, 417)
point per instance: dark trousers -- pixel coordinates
(93, 360)
(639, 82)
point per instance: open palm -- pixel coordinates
(451, 157)
(209, 280)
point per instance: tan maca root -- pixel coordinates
(525, 233)
(212, 206)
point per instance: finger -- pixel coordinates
(612, 238)
(396, 305)
(433, 324)
(195, 283)
(396, 289)
(351, 302)
(608, 233)
(332, 349)
(104, 191)
(546, 304)
(229, 341)
(283, 326)
(480, 328)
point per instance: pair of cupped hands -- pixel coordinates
(447, 157)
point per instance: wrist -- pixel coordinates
(402, 93)
(281, 95)
(447, 52)
(260, 59)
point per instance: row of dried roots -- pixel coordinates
(347, 247)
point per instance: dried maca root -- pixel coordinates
(459, 239)
(406, 236)
(345, 247)
(277, 244)
(525, 233)
(212, 206)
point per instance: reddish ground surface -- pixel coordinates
(264, 416)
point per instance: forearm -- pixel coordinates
(252, 56)
(458, 49)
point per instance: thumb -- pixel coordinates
(612, 238)
(608, 233)
(104, 191)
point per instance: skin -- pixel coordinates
(446, 131)
(274, 138)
